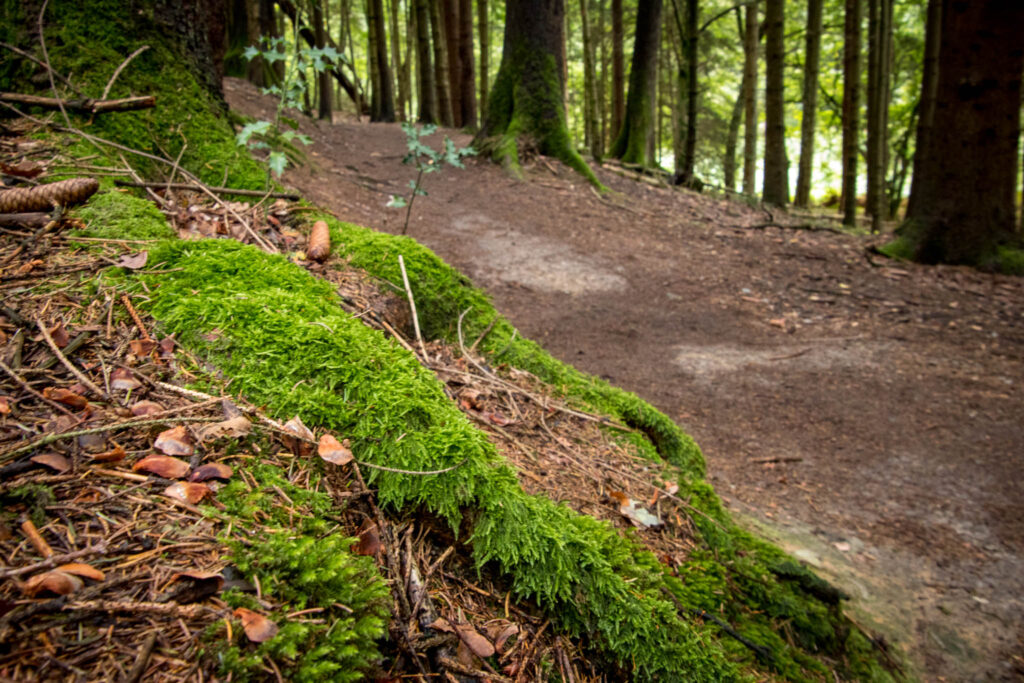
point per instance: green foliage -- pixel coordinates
(119, 215)
(426, 160)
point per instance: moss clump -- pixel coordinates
(119, 215)
(300, 564)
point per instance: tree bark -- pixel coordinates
(387, 95)
(690, 52)
(618, 71)
(484, 32)
(602, 76)
(926, 102)
(750, 43)
(325, 91)
(200, 28)
(809, 114)
(450, 19)
(732, 138)
(969, 173)
(396, 60)
(776, 183)
(424, 66)
(851, 109)
(635, 142)
(591, 128)
(467, 79)
(527, 96)
(444, 100)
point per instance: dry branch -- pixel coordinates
(219, 190)
(85, 105)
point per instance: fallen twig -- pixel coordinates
(120, 68)
(54, 560)
(79, 375)
(85, 105)
(412, 305)
(220, 190)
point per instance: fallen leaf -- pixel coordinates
(213, 335)
(476, 642)
(115, 455)
(201, 577)
(299, 446)
(174, 441)
(187, 491)
(842, 546)
(23, 169)
(778, 322)
(60, 335)
(141, 347)
(162, 466)
(123, 380)
(140, 408)
(498, 419)
(5, 405)
(470, 398)
(83, 570)
(213, 470)
(334, 452)
(68, 398)
(54, 461)
(369, 540)
(234, 427)
(257, 627)
(500, 631)
(55, 581)
(133, 261)
(442, 624)
(639, 516)
(167, 345)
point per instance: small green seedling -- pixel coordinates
(427, 160)
(280, 135)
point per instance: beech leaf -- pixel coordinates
(140, 408)
(298, 446)
(174, 441)
(5, 405)
(123, 379)
(187, 491)
(234, 427)
(115, 455)
(369, 540)
(134, 261)
(257, 627)
(162, 466)
(473, 639)
(55, 581)
(68, 398)
(213, 470)
(141, 347)
(54, 461)
(334, 452)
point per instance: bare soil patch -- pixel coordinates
(865, 413)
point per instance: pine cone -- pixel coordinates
(45, 197)
(319, 242)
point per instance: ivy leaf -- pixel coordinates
(251, 129)
(251, 52)
(290, 122)
(396, 202)
(277, 163)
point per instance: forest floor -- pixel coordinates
(865, 414)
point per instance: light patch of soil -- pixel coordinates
(867, 414)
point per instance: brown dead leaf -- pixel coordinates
(637, 515)
(334, 452)
(442, 624)
(174, 441)
(133, 261)
(213, 470)
(162, 466)
(60, 335)
(54, 461)
(5, 405)
(68, 398)
(234, 428)
(115, 455)
(83, 570)
(187, 491)
(213, 335)
(141, 347)
(124, 380)
(501, 639)
(215, 578)
(257, 627)
(476, 642)
(300, 446)
(55, 581)
(167, 345)
(140, 408)
(23, 169)
(369, 540)
(470, 398)
(498, 419)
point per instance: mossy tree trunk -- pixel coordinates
(526, 101)
(965, 205)
(635, 142)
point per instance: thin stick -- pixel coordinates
(53, 560)
(36, 539)
(412, 305)
(79, 375)
(25, 385)
(142, 660)
(135, 316)
(221, 190)
(118, 70)
(49, 68)
(29, 57)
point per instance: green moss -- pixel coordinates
(1010, 260)
(900, 249)
(119, 215)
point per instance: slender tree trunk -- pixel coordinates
(467, 78)
(410, 51)
(450, 19)
(396, 59)
(527, 96)
(424, 66)
(592, 130)
(444, 100)
(635, 143)
(602, 78)
(483, 28)
(385, 108)
(358, 94)
(872, 97)
(808, 123)
(690, 51)
(750, 44)
(373, 66)
(776, 184)
(968, 173)
(732, 138)
(235, 64)
(325, 90)
(879, 24)
(851, 109)
(618, 70)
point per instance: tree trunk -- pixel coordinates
(467, 79)
(618, 71)
(602, 77)
(356, 92)
(201, 29)
(325, 91)
(809, 115)
(851, 109)
(424, 66)
(690, 52)
(732, 138)
(872, 107)
(444, 99)
(450, 19)
(879, 43)
(387, 96)
(527, 96)
(969, 173)
(635, 142)
(396, 59)
(750, 43)
(484, 31)
(591, 128)
(235, 64)
(926, 103)
(776, 182)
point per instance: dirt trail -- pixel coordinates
(866, 415)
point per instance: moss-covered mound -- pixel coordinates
(738, 606)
